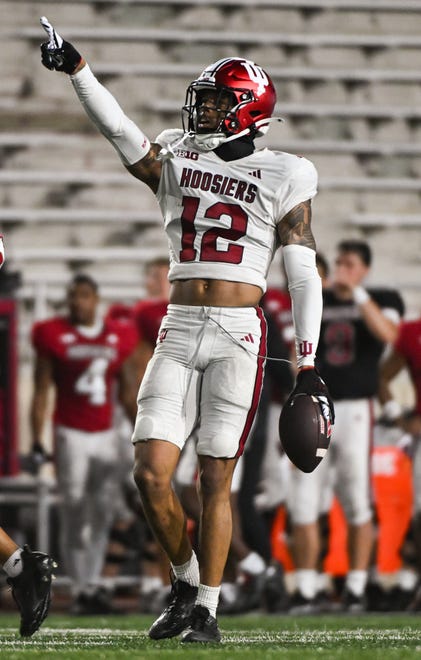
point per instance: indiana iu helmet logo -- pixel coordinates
(257, 75)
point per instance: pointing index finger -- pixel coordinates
(55, 41)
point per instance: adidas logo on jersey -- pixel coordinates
(248, 338)
(256, 173)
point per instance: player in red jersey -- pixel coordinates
(148, 313)
(83, 357)
(407, 355)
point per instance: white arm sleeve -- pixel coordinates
(305, 287)
(102, 108)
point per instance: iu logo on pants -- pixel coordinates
(305, 347)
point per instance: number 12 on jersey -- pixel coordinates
(208, 246)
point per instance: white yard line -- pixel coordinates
(88, 637)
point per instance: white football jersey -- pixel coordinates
(221, 217)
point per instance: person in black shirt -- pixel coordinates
(356, 325)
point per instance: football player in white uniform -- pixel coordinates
(227, 206)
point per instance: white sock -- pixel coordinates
(356, 582)
(407, 579)
(188, 572)
(252, 564)
(150, 583)
(324, 582)
(208, 597)
(13, 566)
(306, 582)
(229, 591)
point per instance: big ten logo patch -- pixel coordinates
(190, 155)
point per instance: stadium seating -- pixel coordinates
(385, 220)
(348, 76)
(348, 79)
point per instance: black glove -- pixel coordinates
(57, 54)
(39, 455)
(36, 458)
(310, 382)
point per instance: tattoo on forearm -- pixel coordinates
(295, 227)
(152, 154)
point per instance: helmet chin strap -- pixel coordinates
(208, 141)
(211, 141)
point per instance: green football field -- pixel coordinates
(254, 637)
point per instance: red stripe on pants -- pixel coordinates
(258, 384)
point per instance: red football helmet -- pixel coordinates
(251, 90)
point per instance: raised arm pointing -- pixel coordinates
(135, 151)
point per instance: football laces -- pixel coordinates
(324, 405)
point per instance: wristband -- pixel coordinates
(360, 295)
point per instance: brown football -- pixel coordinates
(304, 432)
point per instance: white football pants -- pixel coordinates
(88, 482)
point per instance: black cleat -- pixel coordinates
(400, 599)
(299, 605)
(326, 603)
(378, 598)
(274, 596)
(203, 627)
(176, 616)
(80, 605)
(249, 594)
(97, 603)
(353, 604)
(415, 602)
(31, 589)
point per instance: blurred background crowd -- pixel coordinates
(85, 244)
